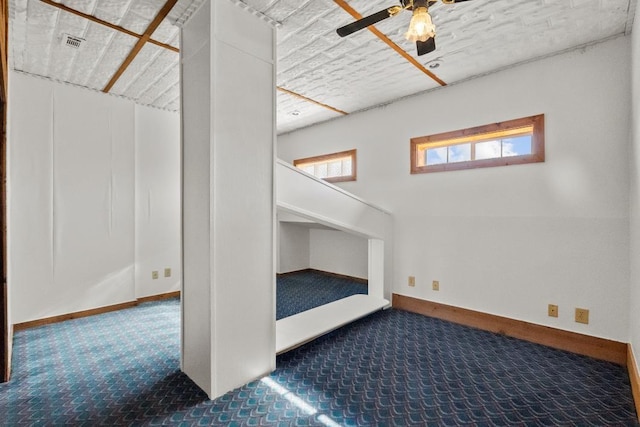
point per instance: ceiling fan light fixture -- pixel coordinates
(421, 27)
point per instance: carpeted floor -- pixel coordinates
(308, 289)
(391, 368)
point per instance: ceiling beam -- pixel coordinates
(313, 101)
(107, 24)
(146, 36)
(351, 11)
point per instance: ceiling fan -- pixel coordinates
(421, 29)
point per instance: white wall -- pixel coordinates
(339, 252)
(293, 247)
(93, 193)
(507, 240)
(303, 246)
(71, 199)
(158, 204)
(634, 307)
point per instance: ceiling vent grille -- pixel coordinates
(72, 41)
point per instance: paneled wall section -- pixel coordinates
(72, 198)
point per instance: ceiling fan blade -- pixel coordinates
(366, 21)
(426, 47)
(453, 1)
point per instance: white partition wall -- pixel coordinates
(157, 190)
(94, 200)
(306, 196)
(71, 199)
(228, 199)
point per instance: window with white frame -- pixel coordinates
(335, 167)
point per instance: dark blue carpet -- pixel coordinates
(391, 368)
(305, 290)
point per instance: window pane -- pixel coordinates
(436, 156)
(335, 168)
(346, 167)
(495, 144)
(488, 150)
(519, 146)
(321, 170)
(460, 153)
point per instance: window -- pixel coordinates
(336, 167)
(499, 144)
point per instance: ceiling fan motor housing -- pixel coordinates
(411, 4)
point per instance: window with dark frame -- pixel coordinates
(506, 143)
(335, 167)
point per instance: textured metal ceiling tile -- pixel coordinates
(293, 113)
(98, 40)
(173, 105)
(146, 72)
(137, 71)
(110, 60)
(38, 35)
(140, 15)
(167, 33)
(351, 73)
(169, 96)
(167, 82)
(112, 11)
(87, 7)
(17, 33)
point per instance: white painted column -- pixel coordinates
(228, 97)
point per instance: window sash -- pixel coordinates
(528, 126)
(320, 166)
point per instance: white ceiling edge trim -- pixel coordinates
(186, 16)
(254, 12)
(38, 76)
(188, 13)
(497, 70)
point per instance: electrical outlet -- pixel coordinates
(582, 315)
(435, 285)
(154, 275)
(553, 310)
(412, 281)
(167, 272)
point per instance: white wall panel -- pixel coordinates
(158, 221)
(634, 307)
(293, 247)
(30, 198)
(71, 200)
(197, 305)
(339, 252)
(507, 240)
(243, 214)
